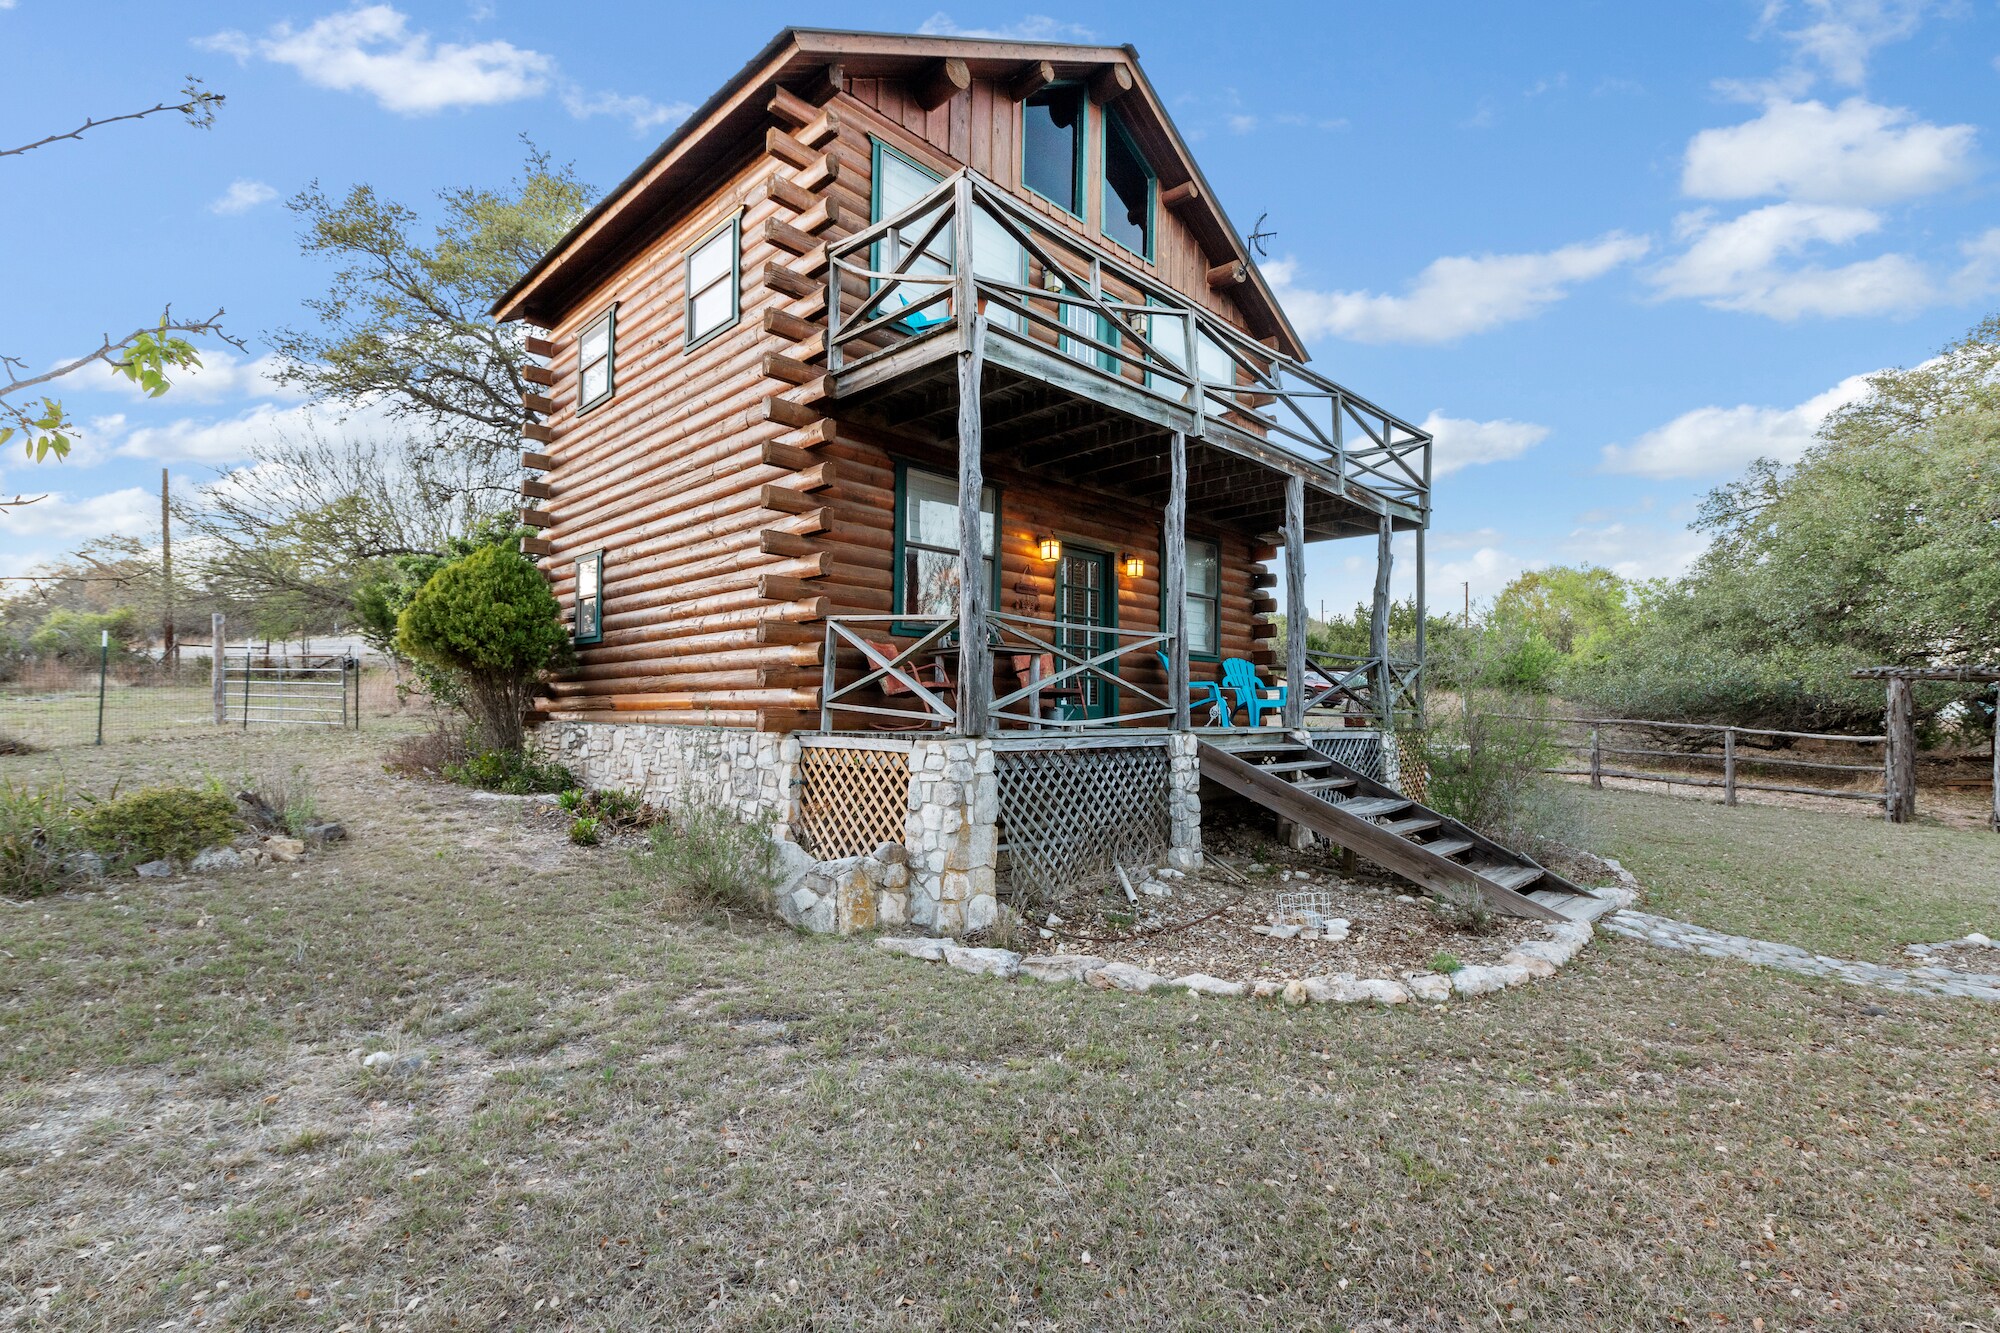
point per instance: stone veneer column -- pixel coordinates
(953, 834)
(1183, 802)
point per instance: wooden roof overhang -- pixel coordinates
(1044, 414)
(814, 62)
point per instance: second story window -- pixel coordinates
(595, 360)
(1128, 191)
(712, 303)
(1052, 145)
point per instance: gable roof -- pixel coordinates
(719, 127)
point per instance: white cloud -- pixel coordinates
(242, 196)
(642, 112)
(63, 518)
(222, 375)
(1714, 440)
(1634, 553)
(1456, 295)
(1981, 274)
(1031, 28)
(1739, 265)
(1488, 569)
(1461, 443)
(372, 50)
(1840, 36)
(1856, 153)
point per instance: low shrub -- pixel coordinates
(703, 855)
(279, 801)
(1444, 962)
(586, 830)
(1486, 767)
(41, 841)
(430, 754)
(159, 824)
(515, 772)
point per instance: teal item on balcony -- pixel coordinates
(1200, 692)
(1240, 676)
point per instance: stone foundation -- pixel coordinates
(1183, 802)
(841, 897)
(953, 834)
(751, 773)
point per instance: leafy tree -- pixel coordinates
(490, 619)
(1574, 611)
(74, 636)
(405, 323)
(145, 356)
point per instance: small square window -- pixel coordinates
(712, 303)
(596, 356)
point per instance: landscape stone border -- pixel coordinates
(1527, 962)
(1686, 937)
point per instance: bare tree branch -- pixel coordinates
(108, 351)
(198, 105)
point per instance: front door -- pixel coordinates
(1087, 605)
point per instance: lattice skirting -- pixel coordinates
(851, 801)
(1069, 814)
(1362, 753)
(1413, 770)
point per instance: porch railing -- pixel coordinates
(1045, 288)
(1058, 666)
(1341, 680)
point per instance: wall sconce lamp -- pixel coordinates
(1051, 548)
(1135, 565)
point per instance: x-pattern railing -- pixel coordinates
(1012, 633)
(1335, 679)
(887, 663)
(1114, 320)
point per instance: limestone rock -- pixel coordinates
(916, 946)
(1478, 980)
(983, 962)
(284, 849)
(155, 870)
(1060, 967)
(215, 859)
(1203, 984)
(1123, 976)
(1432, 986)
(329, 831)
(1263, 988)
(1533, 964)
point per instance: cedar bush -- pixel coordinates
(39, 841)
(490, 620)
(160, 824)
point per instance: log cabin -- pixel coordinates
(912, 440)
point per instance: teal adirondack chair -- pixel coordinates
(1201, 692)
(1251, 693)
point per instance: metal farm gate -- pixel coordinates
(263, 689)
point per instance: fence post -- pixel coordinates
(103, 666)
(246, 685)
(1596, 761)
(218, 674)
(1901, 802)
(1729, 766)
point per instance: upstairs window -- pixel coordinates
(1204, 598)
(899, 184)
(595, 358)
(1052, 145)
(1128, 191)
(927, 543)
(589, 625)
(712, 304)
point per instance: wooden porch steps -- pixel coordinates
(1287, 776)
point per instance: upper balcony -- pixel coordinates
(1088, 361)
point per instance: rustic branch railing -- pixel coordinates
(888, 663)
(1730, 756)
(1333, 680)
(1012, 633)
(1107, 319)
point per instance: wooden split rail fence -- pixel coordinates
(1733, 757)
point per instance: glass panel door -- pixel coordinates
(1085, 606)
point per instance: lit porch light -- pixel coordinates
(1051, 548)
(1135, 566)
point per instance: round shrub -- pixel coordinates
(490, 619)
(160, 824)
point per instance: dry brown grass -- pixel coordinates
(626, 1121)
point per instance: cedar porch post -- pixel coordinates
(1173, 581)
(1378, 628)
(1295, 602)
(975, 659)
(1423, 716)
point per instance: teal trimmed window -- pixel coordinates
(898, 181)
(596, 360)
(1052, 145)
(1129, 191)
(714, 282)
(1204, 599)
(926, 580)
(588, 622)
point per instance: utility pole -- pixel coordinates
(1467, 585)
(166, 579)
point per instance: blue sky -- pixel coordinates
(1610, 251)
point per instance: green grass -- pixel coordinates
(657, 1122)
(131, 713)
(1838, 883)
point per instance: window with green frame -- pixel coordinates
(1204, 598)
(898, 182)
(588, 623)
(714, 284)
(1052, 145)
(1129, 186)
(926, 582)
(596, 358)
